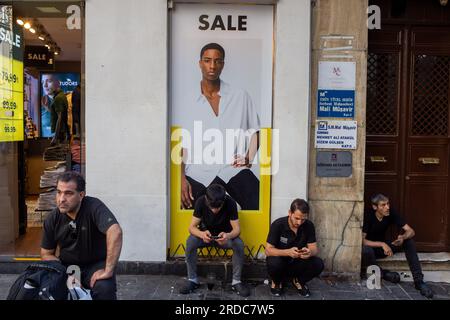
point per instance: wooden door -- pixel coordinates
(407, 148)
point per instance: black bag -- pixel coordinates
(45, 280)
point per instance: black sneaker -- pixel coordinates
(302, 289)
(424, 289)
(241, 289)
(189, 287)
(276, 289)
(391, 276)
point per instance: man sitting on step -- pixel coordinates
(376, 223)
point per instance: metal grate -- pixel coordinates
(209, 252)
(430, 100)
(382, 93)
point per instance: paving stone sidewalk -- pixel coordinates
(165, 287)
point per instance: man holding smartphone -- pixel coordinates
(215, 223)
(376, 224)
(291, 250)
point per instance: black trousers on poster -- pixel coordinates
(281, 268)
(370, 256)
(243, 188)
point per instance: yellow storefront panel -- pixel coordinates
(11, 74)
(11, 104)
(11, 130)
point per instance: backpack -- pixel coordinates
(44, 280)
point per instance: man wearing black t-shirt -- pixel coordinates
(215, 222)
(87, 235)
(291, 250)
(376, 223)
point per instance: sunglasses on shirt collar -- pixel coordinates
(73, 230)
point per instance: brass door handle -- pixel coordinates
(378, 159)
(429, 160)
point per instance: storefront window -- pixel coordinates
(41, 116)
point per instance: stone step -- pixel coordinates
(439, 261)
(435, 266)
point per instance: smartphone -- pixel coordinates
(215, 237)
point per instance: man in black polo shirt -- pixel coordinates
(376, 223)
(291, 250)
(215, 222)
(87, 235)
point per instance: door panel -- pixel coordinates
(425, 212)
(428, 160)
(382, 158)
(428, 137)
(383, 115)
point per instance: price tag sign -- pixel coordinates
(11, 78)
(11, 104)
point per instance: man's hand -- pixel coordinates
(399, 241)
(186, 194)
(101, 274)
(223, 238)
(387, 250)
(206, 236)
(293, 252)
(305, 253)
(241, 161)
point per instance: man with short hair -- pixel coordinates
(376, 223)
(215, 223)
(220, 106)
(87, 235)
(291, 250)
(58, 106)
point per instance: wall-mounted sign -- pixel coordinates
(11, 77)
(334, 164)
(335, 134)
(39, 57)
(336, 89)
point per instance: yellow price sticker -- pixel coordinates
(11, 130)
(11, 75)
(11, 104)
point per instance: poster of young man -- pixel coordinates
(221, 98)
(51, 85)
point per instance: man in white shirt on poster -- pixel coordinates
(217, 109)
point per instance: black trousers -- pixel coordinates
(103, 289)
(243, 188)
(370, 255)
(281, 268)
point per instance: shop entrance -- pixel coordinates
(46, 77)
(407, 148)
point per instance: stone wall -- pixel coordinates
(337, 203)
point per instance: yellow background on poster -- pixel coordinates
(254, 223)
